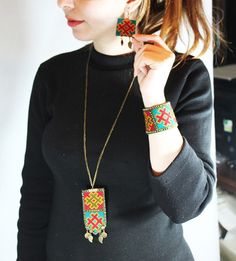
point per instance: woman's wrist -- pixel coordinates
(150, 100)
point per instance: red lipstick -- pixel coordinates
(73, 23)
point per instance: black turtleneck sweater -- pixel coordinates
(144, 212)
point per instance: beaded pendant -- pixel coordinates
(94, 212)
(125, 27)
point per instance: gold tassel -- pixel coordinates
(102, 236)
(89, 236)
(130, 44)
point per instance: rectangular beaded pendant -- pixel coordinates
(94, 213)
(125, 27)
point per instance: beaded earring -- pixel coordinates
(125, 27)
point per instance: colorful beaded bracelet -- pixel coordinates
(159, 118)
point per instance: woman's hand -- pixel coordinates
(152, 65)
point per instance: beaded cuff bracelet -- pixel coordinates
(159, 118)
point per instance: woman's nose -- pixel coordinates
(65, 4)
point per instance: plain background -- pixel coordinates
(31, 32)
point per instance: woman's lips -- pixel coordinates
(73, 23)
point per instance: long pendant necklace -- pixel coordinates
(94, 207)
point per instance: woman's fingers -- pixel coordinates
(153, 58)
(152, 38)
(148, 57)
(137, 45)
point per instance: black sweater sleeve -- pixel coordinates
(185, 187)
(37, 186)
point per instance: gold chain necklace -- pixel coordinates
(94, 207)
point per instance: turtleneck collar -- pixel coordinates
(111, 62)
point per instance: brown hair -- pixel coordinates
(167, 15)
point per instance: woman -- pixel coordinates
(128, 101)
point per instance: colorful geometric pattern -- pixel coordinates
(94, 210)
(125, 27)
(159, 118)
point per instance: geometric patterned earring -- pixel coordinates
(125, 27)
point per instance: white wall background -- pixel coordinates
(31, 32)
